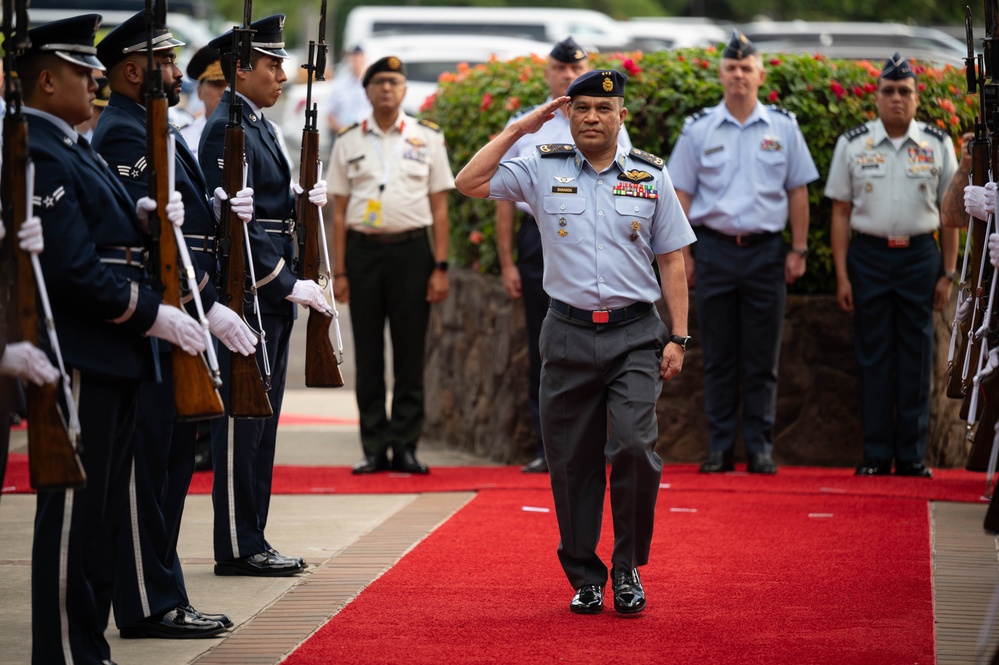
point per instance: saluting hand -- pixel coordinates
(536, 119)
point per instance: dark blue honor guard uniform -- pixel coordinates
(150, 598)
(243, 449)
(94, 265)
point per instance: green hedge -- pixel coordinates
(827, 96)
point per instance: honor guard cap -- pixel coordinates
(103, 94)
(738, 46)
(568, 51)
(267, 38)
(132, 37)
(72, 39)
(598, 83)
(386, 64)
(897, 68)
(205, 66)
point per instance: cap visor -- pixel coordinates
(81, 59)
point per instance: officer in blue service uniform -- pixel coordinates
(243, 449)
(566, 62)
(103, 312)
(741, 170)
(886, 181)
(153, 602)
(605, 214)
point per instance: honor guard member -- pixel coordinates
(522, 279)
(104, 312)
(150, 598)
(391, 179)
(243, 449)
(886, 181)
(741, 171)
(205, 69)
(605, 214)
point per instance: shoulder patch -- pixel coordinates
(556, 149)
(933, 130)
(648, 158)
(344, 130)
(430, 125)
(782, 111)
(859, 130)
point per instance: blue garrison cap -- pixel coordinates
(739, 46)
(132, 37)
(568, 50)
(897, 68)
(598, 83)
(386, 64)
(268, 38)
(72, 39)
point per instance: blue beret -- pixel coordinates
(568, 51)
(739, 46)
(598, 83)
(897, 68)
(72, 39)
(132, 37)
(387, 64)
(267, 38)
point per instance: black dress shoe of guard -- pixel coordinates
(761, 463)
(537, 465)
(277, 555)
(717, 462)
(914, 469)
(873, 468)
(263, 564)
(221, 618)
(371, 464)
(629, 596)
(177, 624)
(589, 599)
(407, 463)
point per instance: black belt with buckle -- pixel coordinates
(600, 315)
(747, 240)
(278, 226)
(389, 238)
(200, 243)
(134, 257)
(891, 242)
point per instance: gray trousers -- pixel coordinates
(593, 376)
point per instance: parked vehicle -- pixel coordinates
(666, 33)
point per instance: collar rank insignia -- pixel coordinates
(635, 175)
(133, 172)
(50, 200)
(253, 117)
(563, 179)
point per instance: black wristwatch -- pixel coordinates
(440, 265)
(684, 342)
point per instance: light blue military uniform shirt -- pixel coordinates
(600, 232)
(894, 191)
(738, 175)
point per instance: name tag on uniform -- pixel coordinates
(563, 190)
(373, 213)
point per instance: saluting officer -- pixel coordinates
(103, 311)
(886, 181)
(605, 215)
(150, 597)
(243, 449)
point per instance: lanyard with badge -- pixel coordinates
(373, 212)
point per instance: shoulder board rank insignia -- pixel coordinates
(933, 131)
(694, 117)
(782, 111)
(859, 130)
(430, 125)
(133, 172)
(648, 158)
(344, 130)
(635, 175)
(556, 149)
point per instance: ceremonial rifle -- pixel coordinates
(321, 361)
(195, 386)
(53, 434)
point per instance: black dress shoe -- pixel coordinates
(761, 463)
(718, 461)
(537, 465)
(629, 596)
(221, 618)
(914, 469)
(277, 555)
(263, 564)
(589, 599)
(371, 464)
(177, 624)
(407, 463)
(873, 468)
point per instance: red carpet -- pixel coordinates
(734, 578)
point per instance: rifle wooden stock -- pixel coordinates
(321, 368)
(247, 395)
(52, 458)
(194, 390)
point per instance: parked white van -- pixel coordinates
(590, 28)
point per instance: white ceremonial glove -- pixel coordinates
(979, 202)
(317, 195)
(241, 204)
(231, 329)
(179, 328)
(963, 307)
(174, 210)
(994, 250)
(26, 361)
(990, 366)
(3, 230)
(30, 236)
(309, 294)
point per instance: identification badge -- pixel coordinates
(373, 213)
